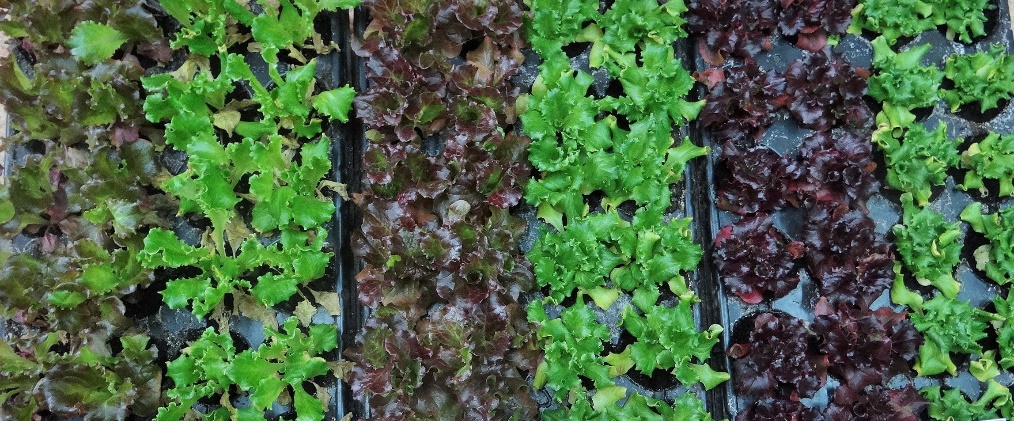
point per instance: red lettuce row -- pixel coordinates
(74, 209)
(830, 178)
(746, 28)
(446, 337)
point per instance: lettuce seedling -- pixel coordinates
(929, 246)
(991, 158)
(986, 77)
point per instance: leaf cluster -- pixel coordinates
(746, 28)
(929, 246)
(255, 187)
(948, 326)
(826, 92)
(265, 165)
(865, 347)
(777, 359)
(741, 101)
(845, 253)
(820, 93)
(996, 259)
(919, 159)
(647, 252)
(759, 179)
(784, 360)
(951, 404)
(835, 166)
(92, 382)
(902, 83)
(876, 402)
(607, 165)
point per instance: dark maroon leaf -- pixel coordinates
(759, 180)
(839, 167)
(742, 28)
(755, 261)
(812, 20)
(770, 409)
(876, 403)
(826, 92)
(777, 361)
(740, 107)
(844, 252)
(860, 343)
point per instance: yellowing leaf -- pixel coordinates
(305, 311)
(226, 120)
(330, 301)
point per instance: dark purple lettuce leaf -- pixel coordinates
(755, 261)
(812, 20)
(413, 368)
(865, 348)
(825, 93)
(839, 167)
(759, 180)
(770, 409)
(416, 258)
(876, 403)
(843, 251)
(743, 28)
(776, 360)
(741, 105)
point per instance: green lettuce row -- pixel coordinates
(74, 209)
(275, 164)
(580, 147)
(930, 246)
(638, 259)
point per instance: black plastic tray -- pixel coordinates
(784, 136)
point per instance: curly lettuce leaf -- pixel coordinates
(986, 77)
(929, 246)
(991, 158)
(997, 257)
(918, 160)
